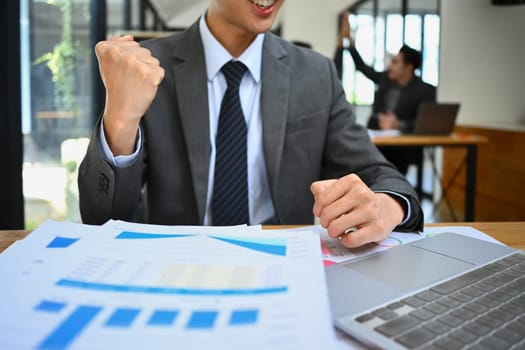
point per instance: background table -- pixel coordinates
(469, 142)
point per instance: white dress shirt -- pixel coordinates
(259, 198)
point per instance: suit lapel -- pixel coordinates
(274, 106)
(192, 95)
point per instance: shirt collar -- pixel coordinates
(217, 56)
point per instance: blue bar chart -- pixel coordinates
(50, 306)
(83, 317)
(202, 320)
(122, 317)
(70, 328)
(163, 318)
(243, 317)
(175, 279)
(62, 242)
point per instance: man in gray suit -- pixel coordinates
(154, 152)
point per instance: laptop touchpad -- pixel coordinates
(407, 268)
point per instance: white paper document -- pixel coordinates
(383, 133)
(127, 286)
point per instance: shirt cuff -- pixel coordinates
(119, 161)
(404, 199)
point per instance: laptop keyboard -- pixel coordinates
(482, 309)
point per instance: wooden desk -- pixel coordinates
(460, 140)
(469, 142)
(510, 233)
(9, 237)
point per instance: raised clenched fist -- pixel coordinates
(131, 76)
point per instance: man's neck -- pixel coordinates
(403, 81)
(232, 38)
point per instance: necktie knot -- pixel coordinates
(233, 72)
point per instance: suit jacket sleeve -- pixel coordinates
(348, 149)
(361, 66)
(109, 192)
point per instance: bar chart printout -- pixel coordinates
(147, 287)
(82, 316)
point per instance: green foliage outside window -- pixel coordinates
(61, 61)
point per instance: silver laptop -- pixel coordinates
(436, 118)
(444, 292)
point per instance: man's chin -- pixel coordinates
(259, 26)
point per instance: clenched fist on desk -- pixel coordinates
(131, 76)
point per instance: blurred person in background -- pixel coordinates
(399, 92)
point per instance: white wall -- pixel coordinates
(313, 21)
(482, 63)
(185, 17)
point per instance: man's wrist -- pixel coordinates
(402, 201)
(123, 160)
(121, 137)
(395, 208)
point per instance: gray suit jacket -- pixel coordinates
(309, 133)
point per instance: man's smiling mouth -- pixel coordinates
(263, 3)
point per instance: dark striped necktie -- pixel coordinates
(230, 186)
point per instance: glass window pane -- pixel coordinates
(413, 31)
(430, 71)
(58, 120)
(348, 76)
(360, 90)
(364, 37)
(394, 33)
(364, 43)
(380, 44)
